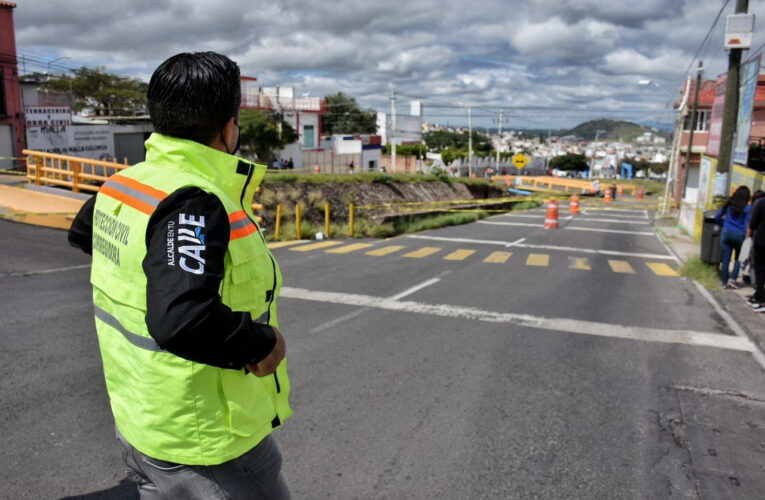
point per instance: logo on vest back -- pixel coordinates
(191, 243)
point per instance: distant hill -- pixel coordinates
(613, 130)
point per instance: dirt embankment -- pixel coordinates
(313, 197)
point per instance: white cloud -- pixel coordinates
(560, 55)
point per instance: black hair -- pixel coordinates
(757, 195)
(192, 95)
(738, 200)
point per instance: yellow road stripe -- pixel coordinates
(459, 255)
(316, 246)
(422, 252)
(538, 259)
(621, 266)
(662, 269)
(498, 257)
(385, 250)
(280, 244)
(349, 248)
(579, 263)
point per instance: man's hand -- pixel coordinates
(267, 365)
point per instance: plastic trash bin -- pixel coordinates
(711, 251)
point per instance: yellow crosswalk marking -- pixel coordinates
(385, 250)
(538, 259)
(459, 255)
(498, 257)
(316, 246)
(349, 248)
(579, 263)
(422, 252)
(621, 266)
(662, 269)
(280, 244)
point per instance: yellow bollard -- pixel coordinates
(350, 220)
(297, 221)
(278, 222)
(326, 220)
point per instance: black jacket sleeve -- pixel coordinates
(81, 233)
(186, 243)
(757, 222)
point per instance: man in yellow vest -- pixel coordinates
(184, 294)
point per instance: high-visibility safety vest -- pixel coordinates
(166, 406)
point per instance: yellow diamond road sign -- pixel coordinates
(520, 160)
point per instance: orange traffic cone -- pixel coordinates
(573, 204)
(641, 194)
(608, 196)
(551, 219)
(316, 169)
(620, 191)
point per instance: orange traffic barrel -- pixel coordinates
(641, 194)
(573, 204)
(551, 218)
(608, 195)
(316, 169)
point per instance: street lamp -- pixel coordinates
(51, 62)
(651, 82)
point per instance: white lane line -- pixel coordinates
(639, 233)
(566, 325)
(758, 355)
(615, 221)
(523, 224)
(617, 216)
(359, 312)
(518, 241)
(508, 244)
(45, 271)
(415, 288)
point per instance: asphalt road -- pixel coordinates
(577, 366)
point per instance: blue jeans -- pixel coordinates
(731, 242)
(256, 474)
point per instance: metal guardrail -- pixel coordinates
(78, 174)
(550, 182)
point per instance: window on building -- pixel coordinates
(701, 122)
(308, 137)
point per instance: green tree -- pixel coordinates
(108, 94)
(569, 162)
(441, 139)
(261, 135)
(344, 116)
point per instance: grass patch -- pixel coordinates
(702, 272)
(412, 225)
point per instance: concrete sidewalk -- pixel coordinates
(731, 301)
(20, 204)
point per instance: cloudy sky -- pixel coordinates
(546, 63)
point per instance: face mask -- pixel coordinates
(238, 140)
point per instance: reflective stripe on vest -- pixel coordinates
(137, 340)
(142, 197)
(241, 225)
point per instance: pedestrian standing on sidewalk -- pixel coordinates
(756, 231)
(747, 263)
(733, 217)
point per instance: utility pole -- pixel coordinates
(730, 109)
(694, 117)
(499, 140)
(470, 141)
(393, 130)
